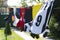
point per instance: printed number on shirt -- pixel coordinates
(39, 18)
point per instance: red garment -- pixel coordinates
(20, 24)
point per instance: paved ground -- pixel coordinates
(26, 37)
(48, 39)
(23, 35)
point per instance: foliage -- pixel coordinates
(54, 26)
(7, 29)
(14, 36)
(54, 23)
(24, 4)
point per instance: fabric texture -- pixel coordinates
(20, 24)
(28, 14)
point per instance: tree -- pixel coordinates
(54, 23)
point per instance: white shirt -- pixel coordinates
(16, 19)
(42, 12)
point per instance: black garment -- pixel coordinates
(34, 35)
(28, 14)
(9, 18)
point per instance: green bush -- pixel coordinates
(54, 26)
(7, 29)
(2, 21)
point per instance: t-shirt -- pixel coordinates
(39, 22)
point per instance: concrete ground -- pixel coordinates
(27, 37)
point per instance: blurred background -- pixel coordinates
(3, 12)
(54, 24)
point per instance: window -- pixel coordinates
(4, 11)
(3, 7)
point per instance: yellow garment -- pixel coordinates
(13, 18)
(35, 9)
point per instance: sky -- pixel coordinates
(13, 2)
(16, 2)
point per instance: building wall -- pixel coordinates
(3, 7)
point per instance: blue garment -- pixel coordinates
(18, 10)
(18, 13)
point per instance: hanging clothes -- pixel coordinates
(9, 18)
(35, 9)
(28, 14)
(18, 13)
(20, 24)
(15, 17)
(39, 22)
